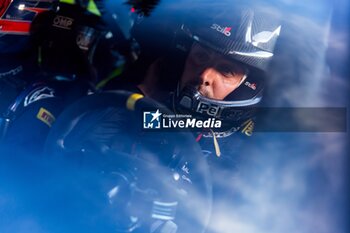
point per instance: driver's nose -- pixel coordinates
(208, 77)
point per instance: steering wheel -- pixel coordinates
(128, 178)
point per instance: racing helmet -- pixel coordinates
(82, 38)
(16, 17)
(244, 36)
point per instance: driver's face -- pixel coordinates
(212, 74)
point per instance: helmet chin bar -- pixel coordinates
(191, 101)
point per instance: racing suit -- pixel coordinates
(28, 118)
(61, 73)
(30, 102)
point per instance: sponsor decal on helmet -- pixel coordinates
(63, 22)
(38, 94)
(222, 134)
(158, 120)
(250, 85)
(209, 109)
(224, 30)
(45, 116)
(248, 127)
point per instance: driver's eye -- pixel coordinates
(227, 70)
